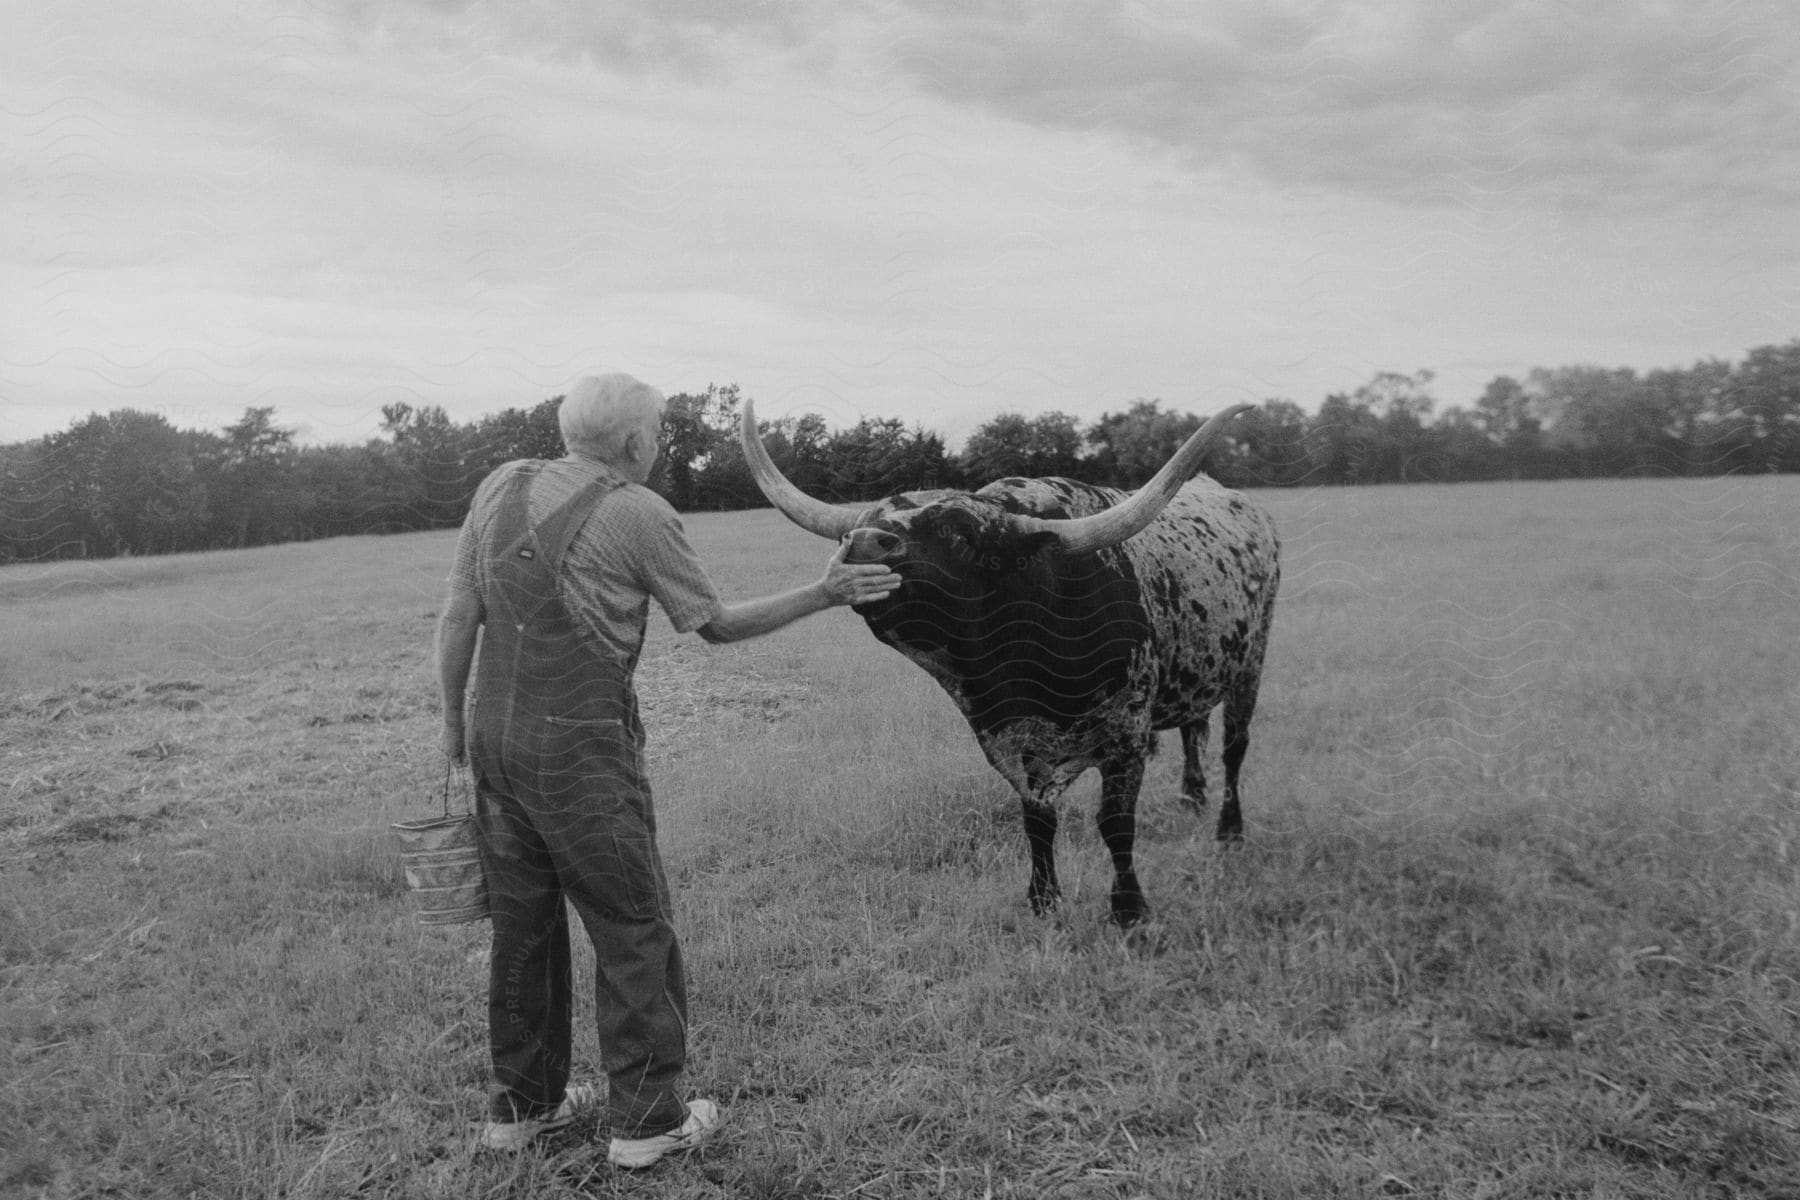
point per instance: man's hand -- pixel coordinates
(857, 583)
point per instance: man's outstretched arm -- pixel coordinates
(842, 583)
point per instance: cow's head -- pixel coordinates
(956, 552)
(959, 558)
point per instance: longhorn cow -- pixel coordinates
(1069, 623)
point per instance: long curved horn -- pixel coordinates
(815, 516)
(1083, 535)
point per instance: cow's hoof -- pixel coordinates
(1129, 909)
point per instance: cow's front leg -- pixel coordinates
(1040, 834)
(1120, 778)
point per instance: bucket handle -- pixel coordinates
(468, 802)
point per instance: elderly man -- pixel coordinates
(555, 569)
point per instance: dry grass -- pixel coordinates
(1519, 914)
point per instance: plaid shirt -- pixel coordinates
(631, 549)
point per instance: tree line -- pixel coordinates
(129, 482)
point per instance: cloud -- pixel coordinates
(1614, 103)
(1486, 104)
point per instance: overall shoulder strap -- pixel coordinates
(512, 520)
(556, 531)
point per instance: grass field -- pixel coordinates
(1518, 914)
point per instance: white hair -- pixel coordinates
(601, 411)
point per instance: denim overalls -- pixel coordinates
(564, 809)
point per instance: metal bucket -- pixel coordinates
(443, 869)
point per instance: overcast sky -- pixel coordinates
(932, 209)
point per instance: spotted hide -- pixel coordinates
(1069, 623)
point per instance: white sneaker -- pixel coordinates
(636, 1153)
(513, 1136)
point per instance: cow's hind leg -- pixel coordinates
(1120, 779)
(1193, 775)
(1040, 835)
(1238, 711)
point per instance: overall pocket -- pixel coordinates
(638, 890)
